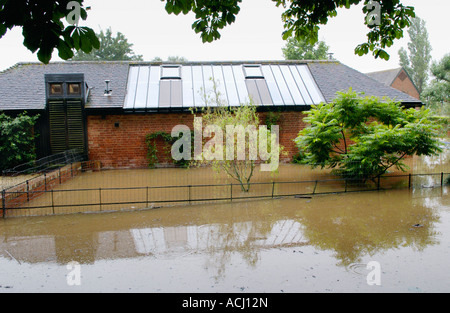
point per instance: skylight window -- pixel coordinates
(170, 72)
(253, 71)
(257, 85)
(170, 87)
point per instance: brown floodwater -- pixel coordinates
(134, 189)
(318, 244)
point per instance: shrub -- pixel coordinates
(366, 136)
(16, 140)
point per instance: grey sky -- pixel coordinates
(256, 35)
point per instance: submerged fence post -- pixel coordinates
(53, 203)
(28, 192)
(189, 193)
(273, 188)
(231, 191)
(100, 198)
(442, 179)
(409, 181)
(315, 186)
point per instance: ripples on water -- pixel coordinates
(323, 243)
(291, 244)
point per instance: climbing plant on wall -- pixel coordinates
(272, 118)
(152, 148)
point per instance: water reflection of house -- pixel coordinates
(109, 122)
(210, 237)
(84, 248)
(28, 249)
(92, 247)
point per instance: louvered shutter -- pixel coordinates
(66, 125)
(75, 125)
(58, 130)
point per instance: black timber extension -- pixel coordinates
(66, 96)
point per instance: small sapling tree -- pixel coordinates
(237, 140)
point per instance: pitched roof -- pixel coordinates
(386, 77)
(152, 86)
(22, 87)
(334, 77)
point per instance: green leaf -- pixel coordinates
(2, 30)
(64, 50)
(83, 14)
(44, 55)
(169, 7)
(383, 54)
(86, 45)
(76, 39)
(93, 38)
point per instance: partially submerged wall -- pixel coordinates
(118, 141)
(18, 196)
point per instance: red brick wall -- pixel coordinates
(124, 146)
(291, 123)
(404, 84)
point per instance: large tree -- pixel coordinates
(385, 19)
(296, 49)
(437, 94)
(417, 62)
(364, 137)
(44, 30)
(112, 48)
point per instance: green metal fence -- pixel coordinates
(46, 199)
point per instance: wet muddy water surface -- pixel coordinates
(321, 243)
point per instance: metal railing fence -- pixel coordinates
(45, 164)
(45, 199)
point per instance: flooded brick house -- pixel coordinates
(106, 109)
